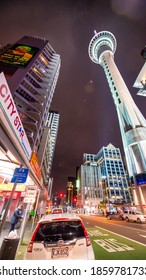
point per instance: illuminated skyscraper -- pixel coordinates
(103, 178)
(132, 123)
(31, 67)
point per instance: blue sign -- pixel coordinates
(20, 175)
(141, 178)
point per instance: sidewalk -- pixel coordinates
(23, 246)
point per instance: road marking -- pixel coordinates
(143, 235)
(123, 226)
(112, 245)
(97, 233)
(122, 236)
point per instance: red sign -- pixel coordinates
(11, 115)
(6, 195)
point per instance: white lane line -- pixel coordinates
(137, 229)
(143, 235)
(122, 236)
(143, 230)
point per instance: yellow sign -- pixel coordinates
(35, 165)
(8, 187)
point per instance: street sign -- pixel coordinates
(20, 175)
(29, 199)
(31, 193)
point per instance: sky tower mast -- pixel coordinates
(131, 121)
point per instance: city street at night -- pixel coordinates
(111, 239)
(73, 131)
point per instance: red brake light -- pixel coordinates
(35, 231)
(30, 245)
(88, 242)
(62, 219)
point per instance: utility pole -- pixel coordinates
(7, 208)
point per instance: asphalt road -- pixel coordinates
(131, 230)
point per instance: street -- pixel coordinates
(111, 239)
(131, 230)
(116, 239)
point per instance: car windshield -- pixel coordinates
(54, 231)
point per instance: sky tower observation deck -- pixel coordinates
(101, 42)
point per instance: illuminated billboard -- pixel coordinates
(35, 165)
(10, 116)
(18, 55)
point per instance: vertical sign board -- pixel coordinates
(30, 196)
(20, 175)
(10, 113)
(35, 165)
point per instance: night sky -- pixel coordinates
(88, 118)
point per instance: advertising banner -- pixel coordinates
(35, 165)
(10, 113)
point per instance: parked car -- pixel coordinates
(135, 216)
(57, 210)
(60, 236)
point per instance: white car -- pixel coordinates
(135, 216)
(57, 210)
(60, 237)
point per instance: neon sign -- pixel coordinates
(18, 55)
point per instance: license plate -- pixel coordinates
(59, 252)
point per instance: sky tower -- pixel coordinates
(132, 123)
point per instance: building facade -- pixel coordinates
(31, 67)
(131, 121)
(71, 192)
(47, 146)
(89, 191)
(112, 175)
(103, 178)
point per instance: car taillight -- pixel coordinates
(88, 242)
(30, 246)
(62, 219)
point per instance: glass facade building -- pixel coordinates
(47, 145)
(112, 175)
(103, 178)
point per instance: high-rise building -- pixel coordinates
(112, 175)
(89, 191)
(103, 178)
(132, 123)
(31, 67)
(47, 145)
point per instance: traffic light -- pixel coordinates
(74, 201)
(61, 194)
